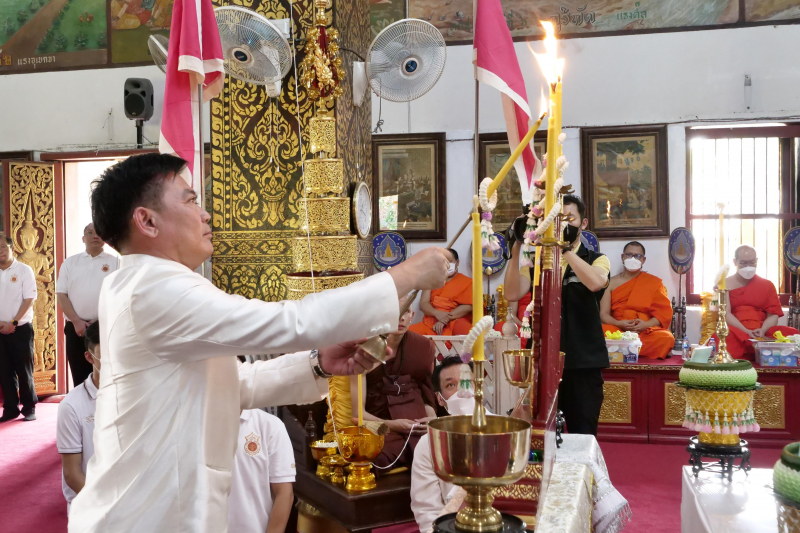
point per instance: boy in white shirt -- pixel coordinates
(76, 421)
(262, 490)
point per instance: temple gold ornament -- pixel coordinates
(616, 407)
(321, 68)
(301, 285)
(325, 216)
(323, 135)
(32, 216)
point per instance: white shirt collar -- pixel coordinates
(90, 388)
(13, 264)
(145, 259)
(245, 415)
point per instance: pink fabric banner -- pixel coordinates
(194, 57)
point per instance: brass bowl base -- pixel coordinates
(360, 479)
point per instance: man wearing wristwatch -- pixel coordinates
(171, 389)
(17, 293)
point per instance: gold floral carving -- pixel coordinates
(769, 407)
(517, 492)
(324, 176)
(674, 405)
(325, 215)
(616, 407)
(323, 135)
(32, 216)
(533, 472)
(328, 253)
(298, 287)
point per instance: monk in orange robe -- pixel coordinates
(637, 301)
(448, 311)
(753, 307)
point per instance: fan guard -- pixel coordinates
(158, 45)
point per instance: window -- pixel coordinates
(753, 171)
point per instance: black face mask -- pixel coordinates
(571, 233)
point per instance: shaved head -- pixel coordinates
(745, 253)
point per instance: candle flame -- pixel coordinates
(542, 105)
(608, 209)
(551, 66)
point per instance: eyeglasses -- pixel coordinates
(640, 257)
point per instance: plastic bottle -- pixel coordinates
(687, 349)
(311, 426)
(713, 344)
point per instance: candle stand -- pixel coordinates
(722, 329)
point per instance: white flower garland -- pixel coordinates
(483, 324)
(551, 216)
(488, 238)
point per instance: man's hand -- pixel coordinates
(6, 328)
(626, 325)
(442, 316)
(403, 426)
(80, 327)
(425, 270)
(438, 327)
(346, 359)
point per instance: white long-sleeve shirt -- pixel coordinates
(170, 393)
(429, 494)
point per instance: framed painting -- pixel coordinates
(625, 182)
(409, 185)
(494, 151)
(385, 12)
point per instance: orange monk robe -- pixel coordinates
(457, 291)
(644, 297)
(750, 305)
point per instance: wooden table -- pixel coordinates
(643, 404)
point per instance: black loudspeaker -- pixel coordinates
(138, 99)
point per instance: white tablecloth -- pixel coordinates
(567, 506)
(712, 504)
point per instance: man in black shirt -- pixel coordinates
(585, 277)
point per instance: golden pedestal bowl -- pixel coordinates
(518, 366)
(719, 404)
(359, 446)
(321, 454)
(324, 176)
(325, 215)
(299, 284)
(479, 462)
(327, 252)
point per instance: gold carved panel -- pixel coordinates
(616, 407)
(32, 216)
(769, 407)
(674, 405)
(517, 492)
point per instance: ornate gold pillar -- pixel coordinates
(32, 217)
(256, 203)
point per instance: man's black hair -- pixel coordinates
(136, 181)
(577, 202)
(91, 337)
(448, 361)
(455, 254)
(9, 241)
(635, 243)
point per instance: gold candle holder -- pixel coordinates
(722, 329)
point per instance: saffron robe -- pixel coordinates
(457, 291)
(750, 305)
(645, 297)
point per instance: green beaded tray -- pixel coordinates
(756, 387)
(786, 474)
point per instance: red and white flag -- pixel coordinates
(194, 57)
(496, 65)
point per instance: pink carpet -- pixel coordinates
(30, 475)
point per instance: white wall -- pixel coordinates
(675, 78)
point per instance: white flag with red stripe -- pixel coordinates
(496, 65)
(194, 57)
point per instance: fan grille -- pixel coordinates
(253, 49)
(158, 45)
(406, 60)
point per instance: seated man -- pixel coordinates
(637, 301)
(448, 311)
(262, 490)
(399, 393)
(429, 494)
(753, 307)
(75, 423)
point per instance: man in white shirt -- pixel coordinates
(263, 475)
(170, 389)
(17, 294)
(78, 291)
(75, 423)
(429, 494)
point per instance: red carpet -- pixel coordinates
(649, 477)
(30, 475)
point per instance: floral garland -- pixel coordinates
(488, 238)
(481, 327)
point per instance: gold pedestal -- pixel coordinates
(337, 476)
(325, 467)
(360, 479)
(722, 330)
(359, 446)
(324, 457)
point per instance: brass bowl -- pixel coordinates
(299, 284)
(328, 253)
(324, 176)
(318, 452)
(518, 366)
(359, 445)
(325, 215)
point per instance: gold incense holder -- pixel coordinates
(299, 284)
(322, 131)
(329, 253)
(359, 446)
(324, 215)
(324, 176)
(479, 460)
(722, 330)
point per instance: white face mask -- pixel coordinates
(457, 405)
(451, 269)
(747, 272)
(632, 264)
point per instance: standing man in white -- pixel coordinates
(78, 291)
(170, 391)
